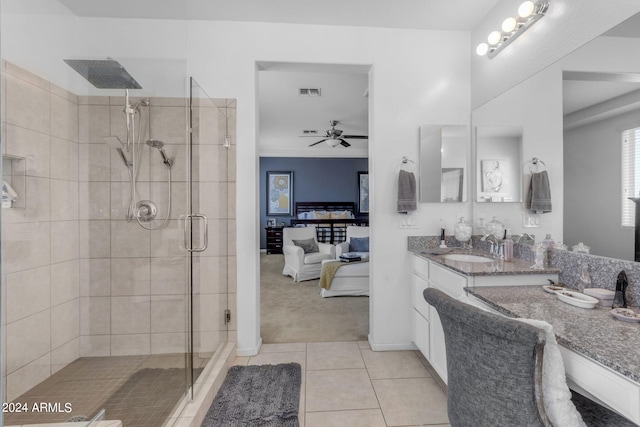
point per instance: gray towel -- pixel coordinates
(406, 192)
(539, 196)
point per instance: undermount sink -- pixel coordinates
(466, 258)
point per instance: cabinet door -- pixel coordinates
(437, 351)
(421, 333)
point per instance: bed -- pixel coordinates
(331, 218)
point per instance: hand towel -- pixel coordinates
(555, 392)
(539, 195)
(406, 192)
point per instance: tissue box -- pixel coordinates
(605, 296)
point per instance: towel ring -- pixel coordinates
(406, 160)
(537, 162)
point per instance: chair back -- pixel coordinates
(494, 366)
(298, 233)
(355, 231)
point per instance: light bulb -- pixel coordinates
(509, 25)
(482, 49)
(494, 37)
(526, 9)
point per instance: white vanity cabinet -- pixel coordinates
(428, 334)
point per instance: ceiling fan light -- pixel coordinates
(333, 142)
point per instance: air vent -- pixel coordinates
(309, 92)
(309, 132)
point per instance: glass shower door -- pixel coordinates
(207, 229)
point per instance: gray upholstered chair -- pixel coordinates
(494, 369)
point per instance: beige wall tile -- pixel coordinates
(128, 239)
(169, 343)
(93, 123)
(64, 159)
(168, 313)
(65, 354)
(38, 202)
(168, 276)
(169, 241)
(27, 76)
(129, 345)
(26, 246)
(121, 195)
(34, 146)
(94, 200)
(65, 322)
(94, 162)
(130, 276)
(210, 163)
(95, 277)
(160, 196)
(212, 199)
(28, 376)
(210, 274)
(65, 281)
(27, 340)
(93, 100)
(64, 241)
(28, 106)
(168, 124)
(64, 200)
(130, 315)
(95, 239)
(119, 173)
(27, 292)
(63, 93)
(157, 168)
(64, 118)
(95, 345)
(95, 316)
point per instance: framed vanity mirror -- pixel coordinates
(443, 163)
(498, 164)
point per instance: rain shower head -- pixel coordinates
(104, 73)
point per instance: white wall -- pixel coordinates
(567, 25)
(417, 77)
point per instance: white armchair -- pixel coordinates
(297, 263)
(352, 231)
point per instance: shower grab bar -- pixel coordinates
(206, 233)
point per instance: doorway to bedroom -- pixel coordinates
(313, 148)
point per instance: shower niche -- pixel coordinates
(14, 183)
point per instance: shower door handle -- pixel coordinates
(187, 226)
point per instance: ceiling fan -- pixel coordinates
(334, 136)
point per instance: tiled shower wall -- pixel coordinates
(79, 280)
(41, 304)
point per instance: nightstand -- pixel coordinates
(274, 240)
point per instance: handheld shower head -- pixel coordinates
(156, 143)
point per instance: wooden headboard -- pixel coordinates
(324, 206)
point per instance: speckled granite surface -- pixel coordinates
(591, 332)
(427, 247)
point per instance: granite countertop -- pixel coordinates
(496, 268)
(593, 333)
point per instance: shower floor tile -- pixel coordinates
(138, 390)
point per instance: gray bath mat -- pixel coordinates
(257, 396)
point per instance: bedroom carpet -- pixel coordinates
(295, 312)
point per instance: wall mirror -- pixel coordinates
(443, 163)
(498, 164)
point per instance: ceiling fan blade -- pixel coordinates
(356, 136)
(316, 143)
(344, 143)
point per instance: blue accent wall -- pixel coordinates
(314, 180)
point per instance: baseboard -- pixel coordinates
(251, 351)
(391, 347)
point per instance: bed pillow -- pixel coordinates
(359, 244)
(307, 245)
(321, 215)
(339, 215)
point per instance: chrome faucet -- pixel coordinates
(493, 249)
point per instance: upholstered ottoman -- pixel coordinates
(349, 279)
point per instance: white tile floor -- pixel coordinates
(347, 384)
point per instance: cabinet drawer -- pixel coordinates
(421, 333)
(420, 267)
(447, 281)
(419, 303)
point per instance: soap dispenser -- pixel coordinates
(620, 297)
(507, 247)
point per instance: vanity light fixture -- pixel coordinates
(528, 13)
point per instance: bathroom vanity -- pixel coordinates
(453, 276)
(600, 353)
